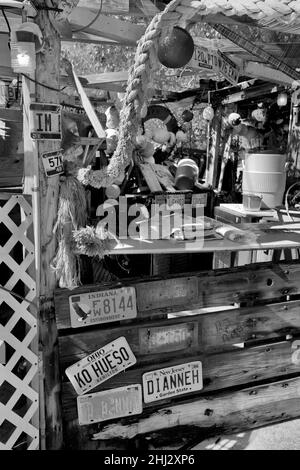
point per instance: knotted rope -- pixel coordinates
(273, 14)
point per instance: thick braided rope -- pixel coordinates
(273, 14)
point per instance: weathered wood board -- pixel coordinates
(215, 331)
(260, 282)
(220, 371)
(229, 412)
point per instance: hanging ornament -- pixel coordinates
(282, 99)
(187, 115)
(181, 137)
(234, 119)
(112, 118)
(112, 136)
(176, 49)
(208, 113)
(161, 136)
(259, 114)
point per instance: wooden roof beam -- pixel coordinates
(107, 27)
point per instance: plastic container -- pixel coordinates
(186, 174)
(252, 202)
(265, 174)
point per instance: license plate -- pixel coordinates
(155, 340)
(175, 201)
(110, 404)
(199, 199)
(102, 307)
(46, 119)
(101, 365)
(172, 381)
(53, 163)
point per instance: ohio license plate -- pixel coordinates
(155, 340)
(172, 381)
(102, 307)
(101, 365)
(110, 404)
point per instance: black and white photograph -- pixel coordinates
(150, 228)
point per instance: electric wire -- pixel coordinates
(91, 22)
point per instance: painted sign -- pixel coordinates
(46, 119)
(102, 307)
(101, 365)
(172, 381)
(53, 163)
(155, 340)
(110, 404)
(216, 61)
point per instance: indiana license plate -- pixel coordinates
(110, 404)
(102, 307)
(101, 365)
(172, 381)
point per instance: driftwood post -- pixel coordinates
(45, 192)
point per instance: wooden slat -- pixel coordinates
(257, 282)
(217, 331)
(113, 7)
(227, 412)
(220, 371)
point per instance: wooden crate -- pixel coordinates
(249, 355)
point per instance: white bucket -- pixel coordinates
(265, 174)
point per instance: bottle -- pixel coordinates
(236, 235)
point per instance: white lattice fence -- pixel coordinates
(19, 425)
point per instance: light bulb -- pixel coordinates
(282, 99)
(23, 59)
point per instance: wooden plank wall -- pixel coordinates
(249, 354)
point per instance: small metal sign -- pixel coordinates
(110, 404)
(102, 307)
(155, 340)
(228, 68)
(172, 381)
(101, 365)
(46, 120)
(53, 163)
(216, 61)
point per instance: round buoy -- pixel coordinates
(187, 115)
(176, 49)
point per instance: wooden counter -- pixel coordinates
(270, 236)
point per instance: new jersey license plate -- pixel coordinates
(172, 381)
(101, 365)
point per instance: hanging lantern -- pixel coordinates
(208, 113)
(187, 115)
(282, 99)
(176, 49)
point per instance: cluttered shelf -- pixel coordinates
(265, 237)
